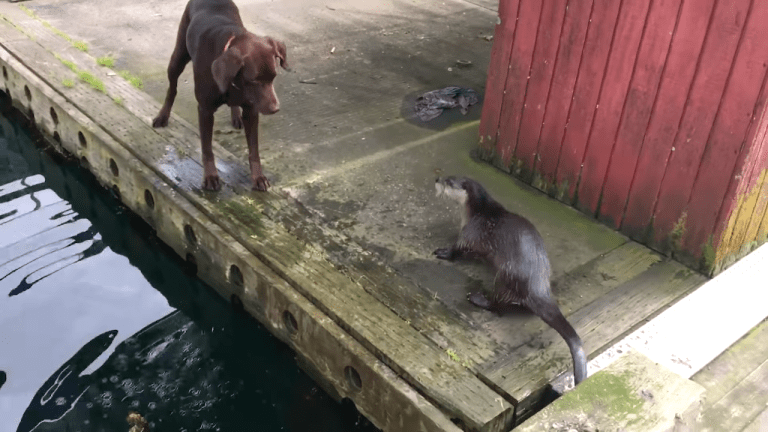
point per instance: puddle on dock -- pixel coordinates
(97, 319)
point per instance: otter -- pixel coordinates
(515, 248)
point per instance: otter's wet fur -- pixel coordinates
(515, 248)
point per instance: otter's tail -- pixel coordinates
(551, 315)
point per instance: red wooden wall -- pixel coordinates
(647, 114)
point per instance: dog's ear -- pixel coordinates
(280, 52)
(225, 67)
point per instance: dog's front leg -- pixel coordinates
(211, 175)
(251, 124)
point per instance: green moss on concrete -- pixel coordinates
(68, 83)
(118, 101)
(27, 10)
(613, 393)
(56, 31)
(81, 45)
(249, 216)
(133, 79)
(91, 80)
(678, 231)
(68, 64)
(708, 256)
(84, 76)
(106, 61)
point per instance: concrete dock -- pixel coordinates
(336, 260)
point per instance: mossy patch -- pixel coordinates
(68, 83)
(70, 65)
(106, 61)
(81, 45)
(27, 10)
(91, 80)
(246, 215)
(613, 392)
(678, 231)
(118, 101)
(58, 32)
(708, 256)
(133, 79)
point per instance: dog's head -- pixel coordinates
(247, 68)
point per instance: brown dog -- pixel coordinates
(231, 66)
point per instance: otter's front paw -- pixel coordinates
(480, 300)
(444, 254)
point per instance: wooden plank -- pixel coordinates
(755, 184)
(685, 338)
(611, 104)
(730, 368)
(575, 290)
(726, 152)
(517, 78)
(676, 82)
(694, 130)
(540, 81)
(503, 38)
(598, 323)
(749, 192)
(759, 423)
(738, 407)
(567, 67)
(642, 97)
(633, 394)
(590, 77)
(303, 265)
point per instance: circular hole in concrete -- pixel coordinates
(353, 378)
(57, 137)
(237, 304)
(54, 117)
(113, 167)
(81, 138)
(84, 162)
(27, 93)
(191, 265)
(5, 73)
(235, 276)
(189, 233)
(149, 199)
(290, 322)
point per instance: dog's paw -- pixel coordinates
(443, 254)
(261, 183)
(212, 183)
(160, 121)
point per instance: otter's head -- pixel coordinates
(470, 194)
(452, 188)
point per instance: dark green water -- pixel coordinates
(98, 318)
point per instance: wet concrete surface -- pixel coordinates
(349, 147)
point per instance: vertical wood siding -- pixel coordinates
(647, 114)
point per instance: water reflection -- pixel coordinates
(97, 319)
